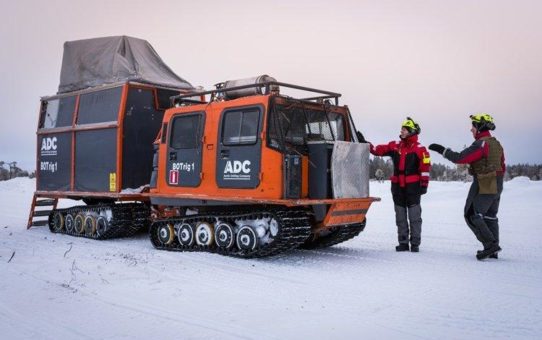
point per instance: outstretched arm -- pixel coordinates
(383, 149)
(476, 151)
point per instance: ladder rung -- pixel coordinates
(42, 212)
(40, 223)
(42, 203)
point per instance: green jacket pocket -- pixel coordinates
(487, 183)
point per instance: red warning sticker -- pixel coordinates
(173, 176)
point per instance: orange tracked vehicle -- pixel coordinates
(244, 170)
(252, 172)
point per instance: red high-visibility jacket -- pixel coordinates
(411, 165)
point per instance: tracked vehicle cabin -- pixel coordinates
(253, 171)
(255, 141)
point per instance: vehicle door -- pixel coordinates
(239, 148)
(184, 155)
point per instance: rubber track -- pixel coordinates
(343, 233)
(127, 219)
(294, 229)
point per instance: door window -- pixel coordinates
(185, 132)
(240, 127)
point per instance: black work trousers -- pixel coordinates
(481, 213)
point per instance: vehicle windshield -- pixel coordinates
(295, 124)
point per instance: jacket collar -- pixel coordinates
(410, 140)
(482, 134)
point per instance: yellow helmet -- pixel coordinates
(482, 122)
(411, 126)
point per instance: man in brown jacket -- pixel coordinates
(486, 164)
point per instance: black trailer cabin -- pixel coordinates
(99, 140)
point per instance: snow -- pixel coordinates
(61, 287)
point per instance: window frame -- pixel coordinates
(243, 110)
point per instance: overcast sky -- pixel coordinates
(437, 61)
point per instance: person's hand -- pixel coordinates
(437, 148)
(361, 138)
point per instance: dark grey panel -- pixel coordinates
(99, 106)
(239, 148)
(292, 176)
(95, 160)
(319, 175)
(185, 150)
(319, 169)
(65, 111)
(164, 96)
(54, 161)
(141, 125)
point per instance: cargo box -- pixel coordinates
(99, 140)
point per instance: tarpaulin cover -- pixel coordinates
(93, 62)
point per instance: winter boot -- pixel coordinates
(414, 248)
(484, 254)
(402, 247)
(492, 256)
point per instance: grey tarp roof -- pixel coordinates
(93, 62)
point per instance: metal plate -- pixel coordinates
(350, 170)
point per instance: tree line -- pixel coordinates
(9, 170)
(382, 168)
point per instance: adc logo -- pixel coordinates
(236, 167)
(237, 170)
(48, 146)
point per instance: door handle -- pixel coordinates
(224, 154)
(172, 156)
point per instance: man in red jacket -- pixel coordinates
(486, 164)
(411, 165)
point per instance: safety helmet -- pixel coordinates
(482, 122)
(412, 127)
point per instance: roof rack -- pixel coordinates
(268, 85)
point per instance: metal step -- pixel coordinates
(42, 212)
(47, 202)
(40, 223)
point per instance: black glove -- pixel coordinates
(437, 147)
(361, 138)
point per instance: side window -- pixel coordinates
(185, 131)
(58, 112)
(100, 106)
(240, 127)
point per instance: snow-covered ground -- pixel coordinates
(60, 287)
